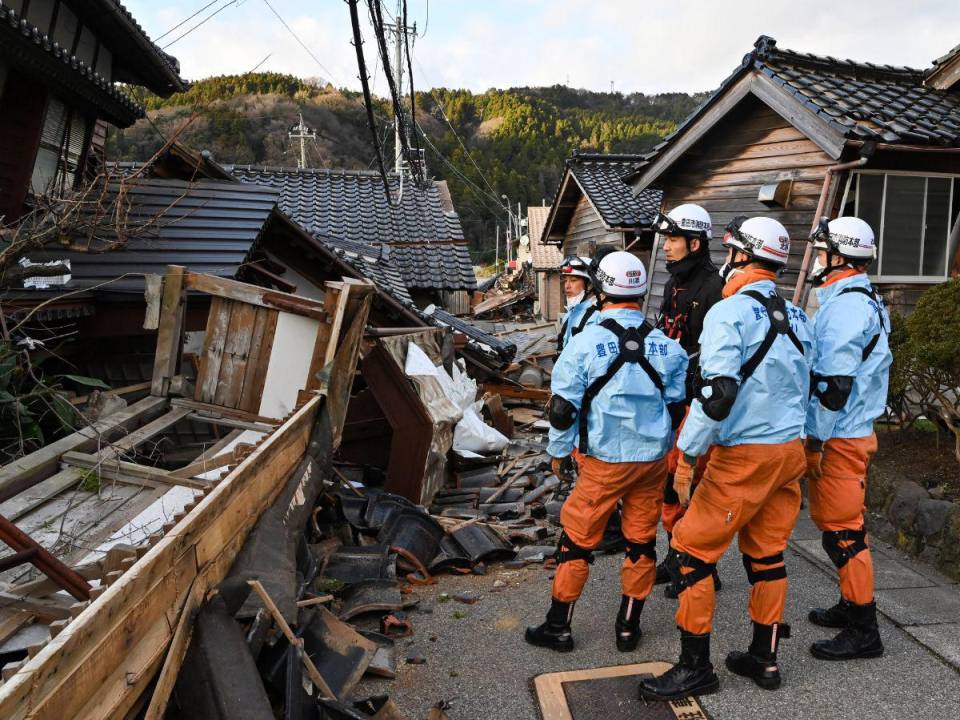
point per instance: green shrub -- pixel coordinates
(932, 358)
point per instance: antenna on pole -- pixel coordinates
(302, 132)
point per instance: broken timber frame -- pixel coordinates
(99, 664)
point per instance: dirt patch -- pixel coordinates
(923, 456)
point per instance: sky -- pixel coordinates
(638, 46)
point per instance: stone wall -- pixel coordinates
(905, 514)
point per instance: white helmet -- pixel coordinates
(849, 237)
(688, 220)
(576, 267)
(621, 275)
(761, 238)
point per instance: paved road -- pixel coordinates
(481, 665)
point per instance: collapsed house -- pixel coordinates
(796, 136)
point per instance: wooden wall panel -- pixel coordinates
(752, 146)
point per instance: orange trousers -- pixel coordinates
(600, 486)
(673, 511)
(753, 490)
(837, 503)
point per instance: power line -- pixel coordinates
(185, 20)
(299, 41)
(443, 114)
(199, 24)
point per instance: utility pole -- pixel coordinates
(399, 32)
(301, 132)
(496, 255)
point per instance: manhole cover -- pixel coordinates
(610, 692)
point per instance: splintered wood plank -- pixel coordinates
(235, 353)
(170, 331)
(101, 663)
(218, 320)
(261, 347)
(253, 295)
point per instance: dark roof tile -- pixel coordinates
(426, 240)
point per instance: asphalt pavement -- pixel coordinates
(478, 663)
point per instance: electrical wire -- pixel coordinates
(185, 20)
(413, 98)
(367, 101)
(201, 23)
(297, 38)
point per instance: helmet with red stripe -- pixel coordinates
(761, 238)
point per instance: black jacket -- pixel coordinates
(693, 288)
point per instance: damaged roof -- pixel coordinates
(849, 100)
(424, 231)
(599, 178)
(374, 261)
(208, 226)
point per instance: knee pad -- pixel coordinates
(755, 576)
(635, 551)
(838, 554)
(568, 550)
(680, 581)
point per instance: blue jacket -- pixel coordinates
(628, 420)
(771, 405)
(575, 315)
(843, 326)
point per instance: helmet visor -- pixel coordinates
(820, 235)
(572, 263)
(667, 226)
(732, 236)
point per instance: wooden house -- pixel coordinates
(545, 260)
(60, 62)
(795, 136)
(594, 207)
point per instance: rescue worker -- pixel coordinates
(616, 389)
(750, 405)
(581, 304)
(850, 375)
(693, 288)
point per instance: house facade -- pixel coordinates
(795, 136)
(545, 260)
(594, 207)
(60, 62)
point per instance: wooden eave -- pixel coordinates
(946, 75)
(767, 91)
(563, 202)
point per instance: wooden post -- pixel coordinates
(170, 330)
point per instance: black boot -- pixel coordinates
(555, 632)
(628, 623)
(859, 639)
(692, 675)
(663, 575)
(837, 616)
(760, 662)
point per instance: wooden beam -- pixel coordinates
(101, 663)
(130, 473)
(233, 423)
(45, 609)
(216, 412)
(253, 295)
(27, 471)
(170, 331)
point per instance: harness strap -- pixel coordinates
(755, 576)
(587, 314)
(632, 349)
(776, 308)
(568, 550)
(634, 551)
(868, 348)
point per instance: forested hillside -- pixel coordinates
(517, 138)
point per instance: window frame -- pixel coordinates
(953, 206)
